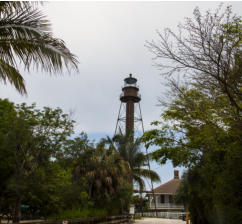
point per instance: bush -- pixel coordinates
(137, 217)
(75, 213)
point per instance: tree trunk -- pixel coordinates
(17, 211)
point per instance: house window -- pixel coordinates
(162, 199)
(171, 199)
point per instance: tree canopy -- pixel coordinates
(201, 126)
(30, 139)
(53, 173)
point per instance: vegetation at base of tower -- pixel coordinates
(26, 39)
(130, 150)
(47, 173)
(201, 126)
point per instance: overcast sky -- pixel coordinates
(108, 38)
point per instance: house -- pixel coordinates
(164, 195)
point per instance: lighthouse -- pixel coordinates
(130, 99)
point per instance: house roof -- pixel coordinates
(169, 187)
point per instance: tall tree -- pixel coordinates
(130, 151)
(104, 170)
(207, 51)
(26, 38)
(200, 127)
(106, 175)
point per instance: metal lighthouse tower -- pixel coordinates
(129, 116)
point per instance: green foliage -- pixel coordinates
(205, 135)
(130, 151)
(52, 174)
(141, 203)
(104, 171)
(137, 217)
(30, 139)
(200, 127)
(212, 190)
(26, 37)
(75, 213)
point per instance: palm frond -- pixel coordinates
(25, 34)
(131, 152)
(140, 182)
(7, 72)
(139, 159)
(11, 6)
(147, 174)
(28, 23)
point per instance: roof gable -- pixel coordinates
(169, 187)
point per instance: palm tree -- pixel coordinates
(25, 38)
(104, 170)
(130, 151)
